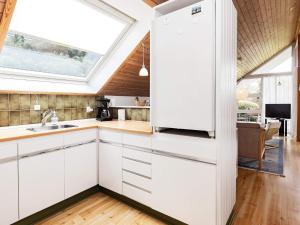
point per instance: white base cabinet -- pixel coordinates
(8, 183)
(80, 168)
(110, 167)
(41, 182)
(184, 189)
(8, 193)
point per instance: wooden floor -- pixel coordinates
(262, 199)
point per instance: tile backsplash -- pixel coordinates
(134, 114)
(18, 109)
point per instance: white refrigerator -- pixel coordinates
(183, 67)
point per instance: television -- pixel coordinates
(280, 111)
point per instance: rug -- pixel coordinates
(273, 161)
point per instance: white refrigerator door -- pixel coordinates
(182, 68)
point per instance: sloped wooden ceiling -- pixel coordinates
(126, 80)
(265, 27)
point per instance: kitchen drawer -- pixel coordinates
(8, 150)
(137, 155)
(137, 167)
(137, 194)
(37, 144)
(81, 136)
(139, 140)
(110, 136)
(202, 149)
(138, 181)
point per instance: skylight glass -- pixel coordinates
(61, 37)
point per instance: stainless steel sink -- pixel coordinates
(51, 127)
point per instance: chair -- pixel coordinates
(251, 141)
(272, 129)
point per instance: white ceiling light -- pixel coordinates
(144, 72)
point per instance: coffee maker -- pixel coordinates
(103, 110)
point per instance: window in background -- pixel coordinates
(68, 37)
(249, 96)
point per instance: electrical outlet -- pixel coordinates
(37, 107)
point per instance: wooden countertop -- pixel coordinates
(15, 133)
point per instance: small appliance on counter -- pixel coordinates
(103, 111)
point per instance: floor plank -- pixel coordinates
(262, 199)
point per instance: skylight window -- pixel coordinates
(61, 37)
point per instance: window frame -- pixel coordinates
(43, 76)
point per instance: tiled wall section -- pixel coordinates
(134, 114)
(17, 109)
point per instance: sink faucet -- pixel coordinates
(45, 116)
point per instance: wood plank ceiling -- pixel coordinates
(265, 27)
(126, 80)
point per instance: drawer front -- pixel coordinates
(137, 167)
(202, 149)
(110, 136)
(138, 181)
(32, 145)
(137, 194)
(137, 155)
(80, 136)
(143, 141)
(8, 150)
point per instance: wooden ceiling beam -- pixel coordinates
(8, 7)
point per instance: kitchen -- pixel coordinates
(63, 140)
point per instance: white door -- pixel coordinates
(110, 167)
(185, 190)
(41, 182)
(80, 168)
(8, 192)
(182, 68)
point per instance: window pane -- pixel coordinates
(249, 99)
(66, 37)
(24, 52)
(71, 22)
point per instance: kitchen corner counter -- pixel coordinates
(15, 133)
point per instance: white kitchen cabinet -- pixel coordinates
(184, 189)
(82, 136)
(8, 183)
(41, 182)
(80, 168)
(110, 166)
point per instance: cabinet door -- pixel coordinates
(80, 168)
(185, 190)
(110, 167)
(41, 182)
(8, 193)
